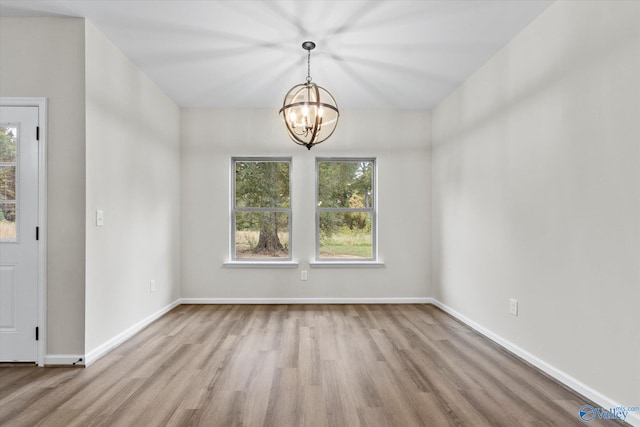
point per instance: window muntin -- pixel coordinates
(345, 209)
(261, 209)
(8, 182)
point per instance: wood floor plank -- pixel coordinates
(284, 399)
(258, 390)
(374, 417)
(287, 365)
(339, 410)
(313, 410)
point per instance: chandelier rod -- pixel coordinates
(308, 46)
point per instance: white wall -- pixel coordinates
(536, 194)
(133, 175)
(44, 57)
(399, 140)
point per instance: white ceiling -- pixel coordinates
(247, 54)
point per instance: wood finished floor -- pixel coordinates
(296, 365)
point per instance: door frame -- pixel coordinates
(41, 103)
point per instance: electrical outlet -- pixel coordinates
(513, 306)
(152, 286)
(303, 275)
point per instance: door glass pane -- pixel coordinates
(8, 183)
(8, 143)
(7, 221)
(8, 187)
(346, 235)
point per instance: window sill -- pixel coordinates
(260, 264)
(346, 264)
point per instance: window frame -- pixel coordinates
(235, 209)
(373, 210)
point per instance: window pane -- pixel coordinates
(262, 235)
(346, 235)
(345, 184)
(262, 184)
(7, 183)
(7, 221)
(8, 144)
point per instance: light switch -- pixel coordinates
(99, 218)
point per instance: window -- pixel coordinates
(345, 209)
(261, 217)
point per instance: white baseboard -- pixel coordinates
(408, 300)
(633, 418)
(106, 347)
(64, 359)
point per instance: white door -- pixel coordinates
(18, 234)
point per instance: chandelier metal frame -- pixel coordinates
(309, 111)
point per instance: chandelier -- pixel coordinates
(309, 111)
